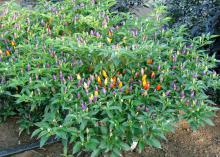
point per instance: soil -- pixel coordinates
(205, 142)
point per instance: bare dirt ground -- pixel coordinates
(205, 142)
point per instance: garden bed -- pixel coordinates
(202, 143)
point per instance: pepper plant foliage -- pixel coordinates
(100, 80)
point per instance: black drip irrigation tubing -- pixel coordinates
(25, 147)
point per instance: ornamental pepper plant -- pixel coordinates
(101, 80)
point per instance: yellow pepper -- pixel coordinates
(104, 74)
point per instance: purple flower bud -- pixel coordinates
(174, 58)
(88, 82)
(121, 90)
(70, 78)
(78, 95)
(91, 32)
(104, 90)
(168, 93)
(192, 93)
(37, 77)
(28, 67)
(93, 1)
(30, 79)
(134, 32)
(95, 98)
(61, 75)
(0, 59)
(90, 100)
(130, 88)
(114, 92)
(147, 109)
(82, 5)
(195, 75)
(83, 106)
(107, 18)
(87, 91)
(98, 35)
(104, 23)
(54, 77)
(161, 79)
(182, 95)
(158, 68)
(204, 72)
(189, 46)
(174, 86)
(91, 77)
(96, 88)
(48, 65)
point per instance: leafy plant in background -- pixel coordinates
(72, 72)
(200, 17)
(197, 15)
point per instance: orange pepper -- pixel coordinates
(99, 80)
(112, 85)
(110, 33)
(147, 85)
(152, 75)
(158, 87)
(149, 61)
(7, 53)
(114, 78)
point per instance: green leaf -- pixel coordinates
(37, 131)
(154, 142)
(125, 146)
(95, 153)
(43, 140)
(76, 147)
(209, 122)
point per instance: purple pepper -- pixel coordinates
(104, 90)
(37, 77)
(121, 90)
(114, 92)
(83, 106)
(147, 109)
(174, 58)
(182, 95)
(168, 93)
(91, 32)
(28, 67)
(95, 98)
(158, 68)
(78, 95)
(48, 65)
(97, 34)
(61, 75)
(130, 88)
(54, 77)
(192, 93)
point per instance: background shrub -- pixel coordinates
(73, 72)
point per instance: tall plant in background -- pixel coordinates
(197, 15)
(73, 72)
